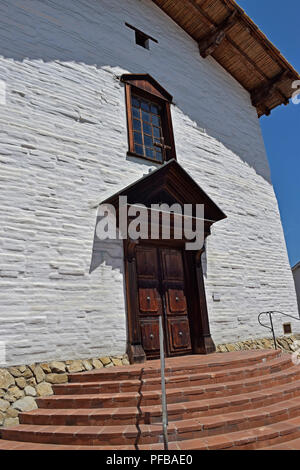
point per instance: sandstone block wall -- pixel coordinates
(21, 385)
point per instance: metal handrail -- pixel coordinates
(163, 385)
(270, 313)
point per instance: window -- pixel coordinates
(147, 129)
(150, 133)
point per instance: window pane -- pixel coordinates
(146, 116)
(137, 125)
(135, 102)
(145, 106)
(139, 149)
(148, 142)
(150, 153)
(155, 120)
(154, 109)
(147, 128)
(137, 138)
(136, 113)
(159, 155)
(156, 132)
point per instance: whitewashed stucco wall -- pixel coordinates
(296, 274)
(63, 149)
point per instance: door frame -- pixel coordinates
(201, 339)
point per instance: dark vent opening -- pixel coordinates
(142, 40)
(287, 328)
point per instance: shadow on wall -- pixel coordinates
(107, 252)
(296, 276)
(111, 253)
(93, 33)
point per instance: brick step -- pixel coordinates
(18, 445)
(175, 395)
(148, 434)
(278, 436)
(184, 364)
(241, 400)
(275, 365)
(73, 435)
(271, 436)
(194, 444)
(152, 414)
(288, 445)
(84, 417)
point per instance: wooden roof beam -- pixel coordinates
(210, 42)
(210, 22)
(202, 8)
(260, 94)
(259, 36)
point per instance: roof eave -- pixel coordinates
(220, 28)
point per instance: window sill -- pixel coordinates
(136, 155)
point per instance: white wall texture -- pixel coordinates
(63, 146)
(296, 274)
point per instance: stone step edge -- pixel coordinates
(228, 386)
(251, 400)
(7, 445)
(256, 438)
(204, 423)
(176, 432)
(252, 359)
(283, 361)
(287, 445)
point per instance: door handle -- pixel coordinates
(151, 336)
(180, 333)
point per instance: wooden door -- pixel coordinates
(161, 291)
(149, 298)
(175, 305)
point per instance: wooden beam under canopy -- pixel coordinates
(209, 43)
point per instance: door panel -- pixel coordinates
(179, 331)
(172, 265)
(150, 336)
(146, 263)
(176, 301)
(150, 301)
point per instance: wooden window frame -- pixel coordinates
(144, 86)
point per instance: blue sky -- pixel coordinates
(280, 21)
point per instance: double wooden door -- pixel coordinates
(161, 291)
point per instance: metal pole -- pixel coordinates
(163, 384)
(271, 322)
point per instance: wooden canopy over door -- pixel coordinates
(162, 278)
